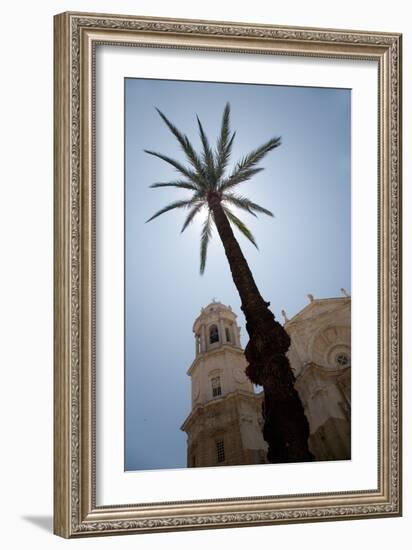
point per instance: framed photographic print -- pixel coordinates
(227, 274)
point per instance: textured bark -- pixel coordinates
(286, 429)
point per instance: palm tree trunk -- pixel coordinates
(286, 429)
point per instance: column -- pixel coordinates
(203, 338)
(222, 335)
(236, 330)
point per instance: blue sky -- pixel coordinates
(304, 249)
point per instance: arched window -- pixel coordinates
(213, 334)
(216, 386)
(220, 450)
(227, 331)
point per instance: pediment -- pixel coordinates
(318, 308)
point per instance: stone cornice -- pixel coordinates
(236, 395)
(217, 351)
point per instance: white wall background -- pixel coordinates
(26, 270)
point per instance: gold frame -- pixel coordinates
(75, 510)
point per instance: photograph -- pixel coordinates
(237, 271)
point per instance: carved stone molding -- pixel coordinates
(345, 43)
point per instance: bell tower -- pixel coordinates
(225, 424)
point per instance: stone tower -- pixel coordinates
(225, 424)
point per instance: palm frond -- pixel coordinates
(172, 206)
(204, 241)
(255, 156)
(240, 225)
(239, 177)
(184, 142)
(207, 154)
(245, 204)
(180, 184)
(248, 163)
(189, 174)
(192, 214)
(224, 144)
(205, 173)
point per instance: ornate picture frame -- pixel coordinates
(76, 510)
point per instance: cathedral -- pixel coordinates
(224, 427)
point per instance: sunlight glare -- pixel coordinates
(200, 218)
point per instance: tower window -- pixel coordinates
(216, 386)
(227, 331)
(220, 450)
(213, 334)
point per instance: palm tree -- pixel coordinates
(285, 425)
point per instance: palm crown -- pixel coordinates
(206, 177)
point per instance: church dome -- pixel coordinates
(213, 310)
(216, 326)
